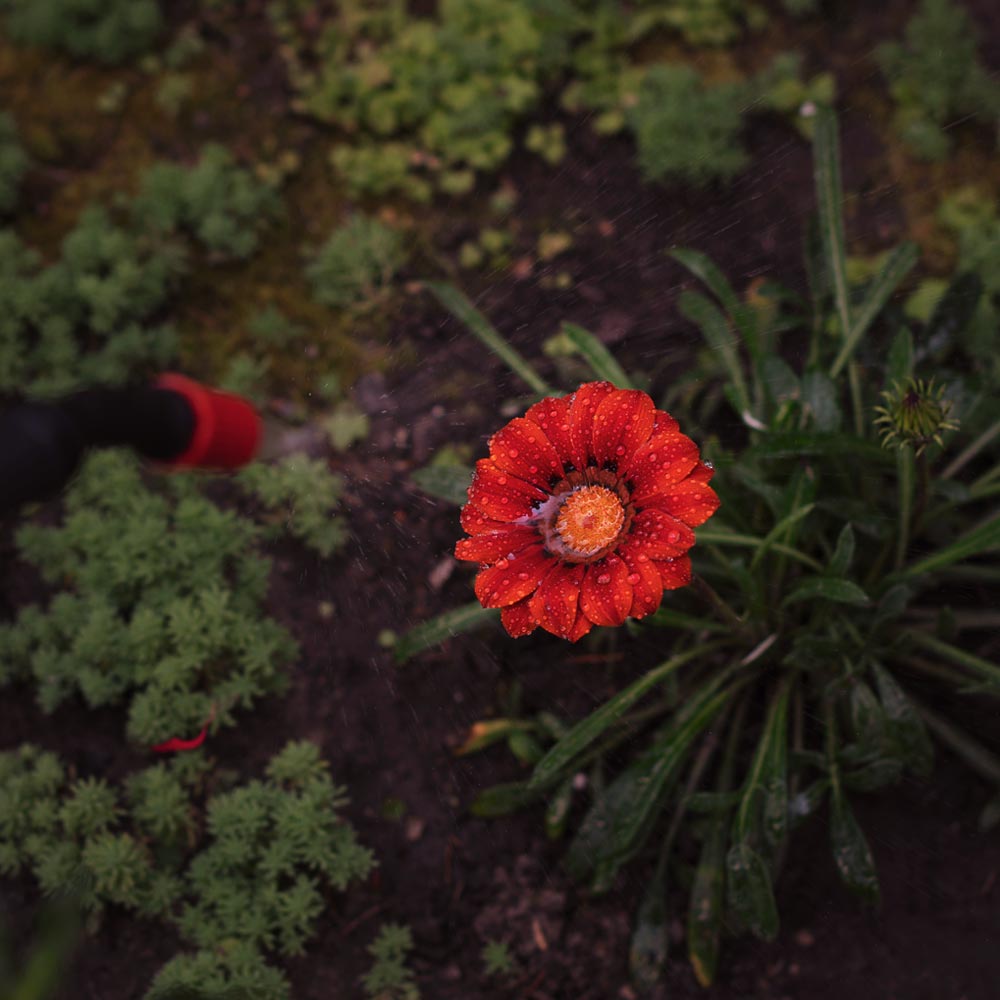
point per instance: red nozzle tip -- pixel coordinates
(227, 429)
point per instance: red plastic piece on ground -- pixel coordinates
(227, 430)
(175, 743)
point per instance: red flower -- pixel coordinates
(582, 514)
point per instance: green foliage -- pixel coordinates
(936, 77)
(82, 319)
(687, 131)
(219, 203)
(389, 978)
(162, 608)
(13, 163)
(249, 886)
(301, 495)
(819, 587)
(356, 263)
(109, 31)
(497, 960)
(235, 971)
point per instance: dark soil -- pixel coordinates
(389, 732)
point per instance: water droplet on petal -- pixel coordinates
(513, 453)
(502, 564)
(620, 450)
(673, 536)
(523, 575)
(633, 578)
(604, 578)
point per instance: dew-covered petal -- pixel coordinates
(663, 460)
(702, 472)
(517, 618)
(663, 423)
(493, 546)
(522, 449)
(659, 535)
(501, 586)
(586, 400)
(552, 417)
(606, 596)
(554, 604)
(623, 421)
(647, 587)
(581, 627)
(475, 522)
(674, 573)
(500, 495)
(690, 501)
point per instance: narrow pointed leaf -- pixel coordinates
(750, 895)
(706, 908)
(906, 725)
(465, 618)
(503, 799)
(464, 311)
(843, 554)
(900, 361)
(602, 362)
(829, 198)
(985, 538)
(648, 949)
(851, 853)
(557, 812)
(445, 482)
(828, 589)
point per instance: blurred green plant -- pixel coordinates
(800, 660)
(108, 31)
(241, 874)
(218, 202)
(301, 495)
(13, 163)
(936, 77)
(390, 978)
(159, 606)
(356, 264)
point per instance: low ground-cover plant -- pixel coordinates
(13, 163)
(109, 31)
(218, 202)
(240, 873)
(815, 620)
(937, 78)
(161, 606)
(87, 318)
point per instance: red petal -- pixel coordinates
(662, 461)
(675, 573)
(554, 604)
(498, 587)
(491, 546)
(581, 627)
(702, 472)
(622, 423)
(647, 587)
(475, 522)
(552, 416)
(606, 596)
(500, 495)
(586, 400)
(522, 449)
(518, 619)
(658, 535)
(665, 424)
(691, 501)
(177, 744)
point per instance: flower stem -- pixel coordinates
(904, 467)
(716, 603)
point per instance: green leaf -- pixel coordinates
(503, 799)
(589, 729)
(463, 310)
(900, 361)
(466, 618)
(446, 482)
(705, 909)
(843, 554)
(900, 262)
(557, 812)
(346, 425)
(905, 724)
(799, 444)
(602, 362)
(825, 588)
(742, 315)
(819, 395)
(778, 378)
(750, 895)
(648, 949)
(851, 853)
(829, 198)
(719, 337)
(953, 313)
(989, 671)
(768, 541)
(985, 538)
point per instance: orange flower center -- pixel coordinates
(590, 519)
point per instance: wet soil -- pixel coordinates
(389, 732)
